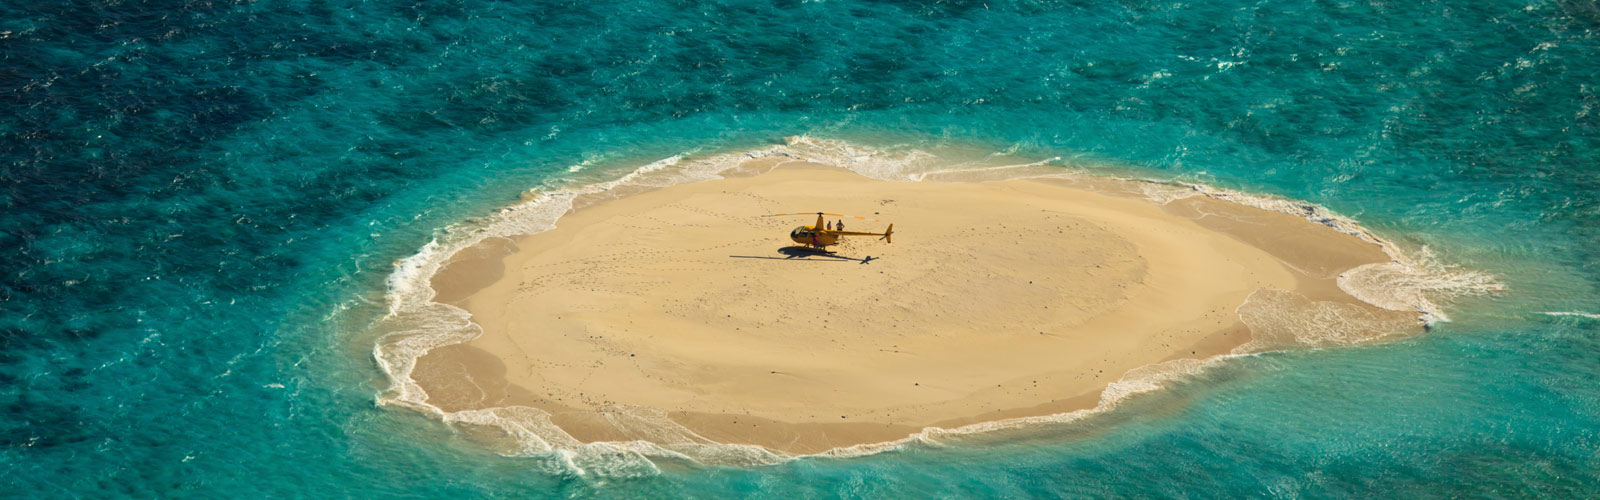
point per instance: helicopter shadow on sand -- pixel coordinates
(806, 254)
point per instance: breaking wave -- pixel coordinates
(415, 324)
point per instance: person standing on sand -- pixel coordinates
(830, 225)
(840, 225)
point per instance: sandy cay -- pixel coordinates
(995, 300)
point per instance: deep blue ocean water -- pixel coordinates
(202, 200)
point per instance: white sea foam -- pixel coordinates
(1281, 319)
(1411, 281)
(1163, 193)
(1573, 313)
(416, 324)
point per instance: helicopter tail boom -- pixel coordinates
(885, 234)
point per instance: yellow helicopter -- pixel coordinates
(821, 236)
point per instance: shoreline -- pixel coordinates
(1317, 279)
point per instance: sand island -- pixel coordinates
(995, 300)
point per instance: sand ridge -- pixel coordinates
(996, 300)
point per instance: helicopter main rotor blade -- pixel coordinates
(825, 213)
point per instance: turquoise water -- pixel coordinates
(203, 202)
